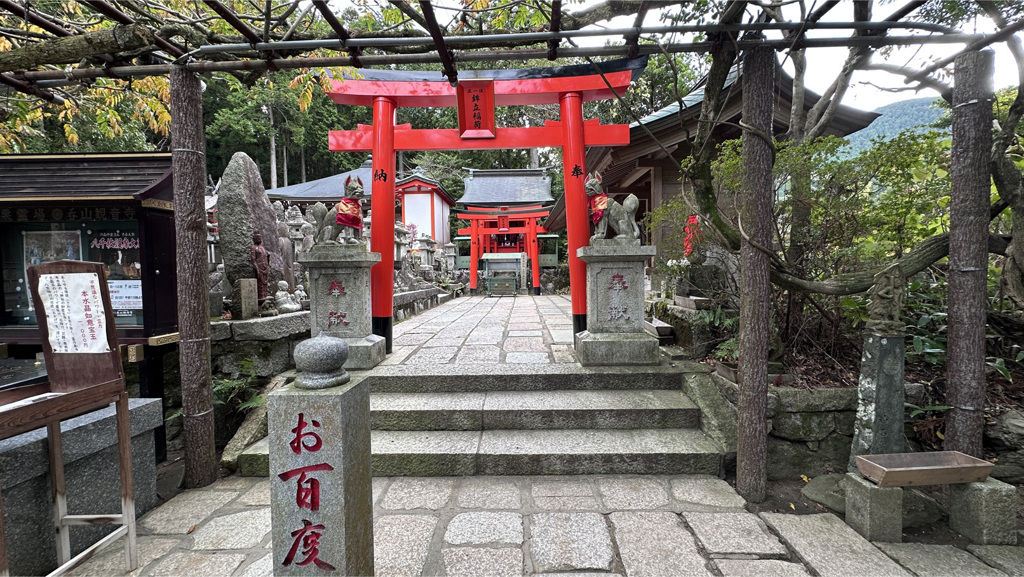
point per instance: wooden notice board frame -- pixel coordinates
(78, 383)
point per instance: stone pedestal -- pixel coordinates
(339, 297)
(879, 425)
(985, 513)
(615, 306)
(874, 512)
(321, 490)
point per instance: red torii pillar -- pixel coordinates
(476, 97)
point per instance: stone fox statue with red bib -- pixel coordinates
(346, 218)
(605, 211)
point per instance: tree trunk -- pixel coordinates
(273, 148)
(755, 288)
(302, 161)
(189, 165)
(284, 163)
(968, 251)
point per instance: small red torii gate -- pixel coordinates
(476, 95)
(485, 222)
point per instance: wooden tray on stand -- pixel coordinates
(913, 469)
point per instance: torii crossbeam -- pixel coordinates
(476, 95)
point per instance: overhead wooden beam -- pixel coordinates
(233, 20)
(29, 89)
(34, 19)
(447, 64)
(120, 17)
(339, 29)
(633, 38)
(634, 175)
(556, 26)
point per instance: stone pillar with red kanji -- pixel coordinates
(339, 299)
(320, 484)
(615, 305)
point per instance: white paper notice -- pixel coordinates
(74, 312)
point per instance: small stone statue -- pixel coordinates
(284, 302)
(350, 212)
(268, 310)
(300, 294)
(886, 302)
(605, 211)
(260, 266)
(307, 237)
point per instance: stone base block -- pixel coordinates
(985, 513)
(594, 349)
(874, 512)
(365, 353)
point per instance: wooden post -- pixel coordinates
(968, 251)
(755, 290)
(189, 164)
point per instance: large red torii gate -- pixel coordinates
(476, 94)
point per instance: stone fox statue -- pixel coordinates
(346, 217)
(605, 211)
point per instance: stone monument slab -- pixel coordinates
(879, 425)
(321, 488)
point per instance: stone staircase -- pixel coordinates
(430, 420)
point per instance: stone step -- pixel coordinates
(447, 378)
(643, 409)
(254, 461)
(544, 452)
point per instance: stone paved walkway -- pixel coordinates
(585, 525)
(496, 330)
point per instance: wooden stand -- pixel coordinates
(78, 383)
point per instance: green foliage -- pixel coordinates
(727, 350)
(241, 393)
(917, 411)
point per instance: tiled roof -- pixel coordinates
(507, 187)
(39, 176)
(331, 188)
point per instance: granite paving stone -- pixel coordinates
(1006, 558)
(560, 335)
(655, 544)
(484, 338)
(398, 355)
(479, 354)
(926, 560)
(632, 493)
(485, 527)
(483, 562)
(258, 495)
(534, 333)
(418, 493)
(413, 339)
(524, 345)
(180, 514)
(570, 541)
(705, 493)
(433, 355)
(243, 530)
(262, 567)
(488, 493)
(401, 544)
(734, 535)
(830, 547)
(110, 561)
(567, 494)
(379, 484)
(181, 563)
(527, 358)
(447, 341)
(760, 568)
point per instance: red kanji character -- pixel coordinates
(307, 491)
(297, 444)
(309, 537)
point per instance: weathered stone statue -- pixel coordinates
(307, 237)
(285, 302)
(260, 266)
(300, 294)
(344, 222)
(886, 302)
(605, 211)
